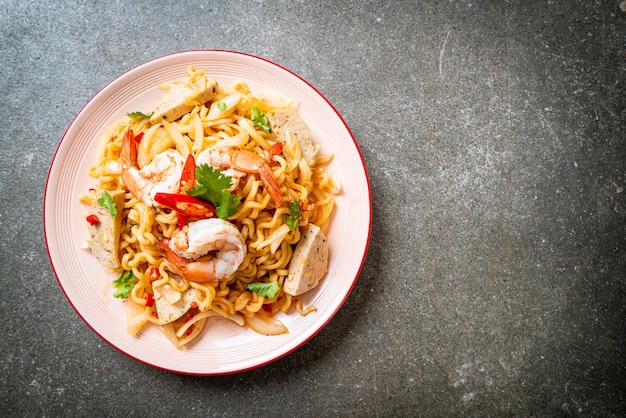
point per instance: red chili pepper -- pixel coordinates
(186, 205)
(154, 314)
(187, 181)
(194, 304)
(155, 274)
(306, 207)
(138, 137)
(268, 307)
(188, 177)
(182, 220)
(275, 149)
(149, 299)
(92, 219)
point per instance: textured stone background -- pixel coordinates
(494, 137)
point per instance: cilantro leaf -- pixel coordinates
(212, 186)
(124, 284)
(107, 202)
(293, 219)
(259, 119)
(138, 114)
(265, 289)
(227, 205)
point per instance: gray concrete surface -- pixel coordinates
(494, 136)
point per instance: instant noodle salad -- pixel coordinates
(216, 203)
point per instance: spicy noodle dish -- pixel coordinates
(214, 203)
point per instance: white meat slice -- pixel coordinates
(309, 262)
(172, 304)
(283, 121)
(181, 96)
(105, 235)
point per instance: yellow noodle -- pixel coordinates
(304, 311)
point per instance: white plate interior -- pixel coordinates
(224, 347)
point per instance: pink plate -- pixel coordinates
(224, 347)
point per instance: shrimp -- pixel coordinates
(238, 161)
(161, 175)
(207, 250)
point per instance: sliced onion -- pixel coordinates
(199, 325)
(230, 101)
(336, 183)
(273, 99)
(202, 317)
(171, 295)
(146, 149)
(264, 324)
(305, 170)
(237, 319)
(136, 317)
(292, 149)
(276, 238)
(179, 140)
(198, 317)
(238, 140)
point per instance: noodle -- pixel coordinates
(270, 243)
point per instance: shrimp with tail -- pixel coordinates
(162, 174)
(238, 162)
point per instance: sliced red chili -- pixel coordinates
(92, 219)
(182, 220)
(305, 206)
(188, 177)
(187, 181)
(155, 274)
(138, 137)
(149, 299)
(186, 205)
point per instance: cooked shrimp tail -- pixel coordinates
(128, 153)
(272, 187)
(194, 271)
(128, 158)
(177, 261)
(249, 162)
(243, 161)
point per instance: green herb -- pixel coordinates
(259, 119)
(221, 106)
(265, 289)
(227, 205)
(139, 115)
(124, 284)
(293, 219)
(107, 202)
(212, 186)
